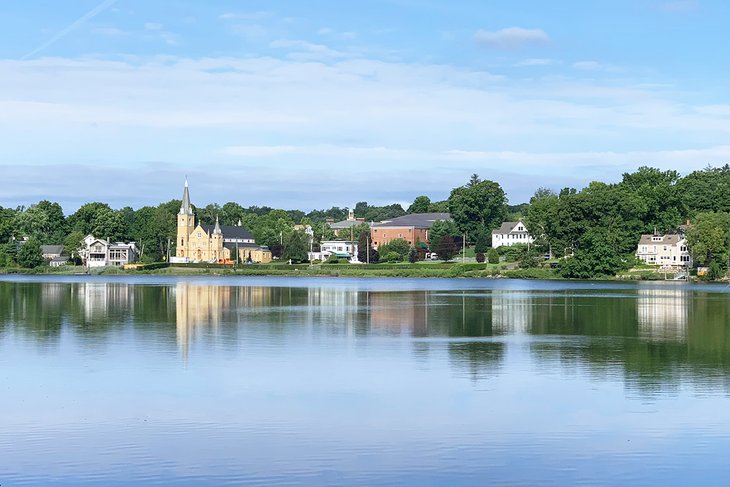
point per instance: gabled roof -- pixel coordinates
(52, 249)
(508, 227)
(229, 231)
(417, 220)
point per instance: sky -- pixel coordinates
(326, 103)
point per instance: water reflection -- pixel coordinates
(653, 337)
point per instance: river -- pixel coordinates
(332, 381)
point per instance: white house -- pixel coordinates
(511, 233)
(669, 251)
(97, 252)
(344, 249)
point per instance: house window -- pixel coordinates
(200, 235)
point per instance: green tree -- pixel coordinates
(413, 255)
(709, 240)
(110, 224)
(296, 247)
(441, 228)
(399, 245)
(446, 249)
(365, 246)
(73, 243)
(29, 255)
(479, 204)
(422, 204)
(493, 256)
(481, 240)
(84, 219)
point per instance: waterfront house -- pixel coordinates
(511, 233)
(412, 228)
(342, 249)
(666, 251)
(99, 252)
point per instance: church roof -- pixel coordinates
(229, 231)
(186, 208)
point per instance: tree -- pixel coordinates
(72, 244)
(364, 247)
(479, 204)
(296, 247)
(29, 255)
(84, 218)
(709, 240)
(446, 248)
(399, 245)
(481, 240)
(480, 257)
(422, 204)
(441, 228)
(109, 224)
(493, 256)
(413, 255)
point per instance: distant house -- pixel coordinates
(343, 249)
(53, 254)
(511, 233)
(668, 251)
(413, 228)
(97, 252)
(344, 225)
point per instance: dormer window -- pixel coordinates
(656, 239)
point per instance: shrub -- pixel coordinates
(493, 256)
(391, 256)
(480, 257)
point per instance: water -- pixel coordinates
(279, 381)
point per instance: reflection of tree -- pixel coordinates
(655, 343)
(479, 359)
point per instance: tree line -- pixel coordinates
(595, 230)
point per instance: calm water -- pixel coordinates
(276, 381)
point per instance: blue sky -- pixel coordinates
(313, 104)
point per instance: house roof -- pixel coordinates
(508, 227)
(418, 220)
(229, 231)
(345, 224)
(52, 249)
(671, 239)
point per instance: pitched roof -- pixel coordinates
(345, 224)
(51, 249)
(418, 220)
(508, 227)
(229, 231)
(186, 208)
(671, 239)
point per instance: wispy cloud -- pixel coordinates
(259, 15)
(75, 25)
(511, 38)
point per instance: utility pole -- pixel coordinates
(463, 249)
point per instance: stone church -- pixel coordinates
(213, 243)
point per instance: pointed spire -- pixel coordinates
(217, 229)
(186, 208)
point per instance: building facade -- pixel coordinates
(97, 252)
(213, 243)
(511, 233)
(668, 251)
(412, 228)
(343, 249)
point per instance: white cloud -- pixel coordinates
(245, 15)
(511, 38)
(427, 125)
(588, 65)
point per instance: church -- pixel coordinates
(213, 243)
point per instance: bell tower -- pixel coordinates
(185, 224)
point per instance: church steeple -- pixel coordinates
(217, 229)
(186, 208)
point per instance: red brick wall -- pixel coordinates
(383, 235)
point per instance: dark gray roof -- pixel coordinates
(230, 231)
(507, 227)
(185, 207)
(418, 220)
(52, 249)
